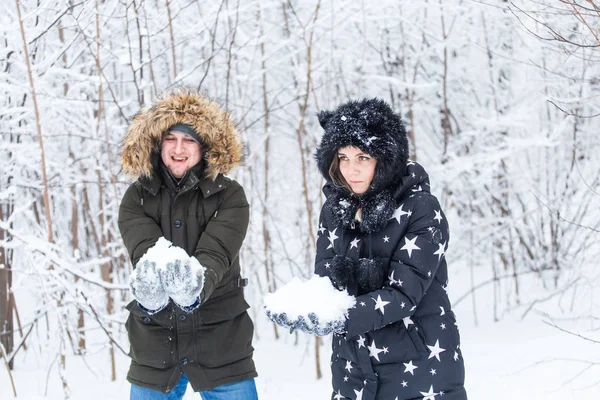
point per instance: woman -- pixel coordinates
(383, 237)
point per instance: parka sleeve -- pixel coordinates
(222, 238)
(413, 267)
(325, 250)
(138, 230)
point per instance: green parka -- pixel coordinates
(207, 216)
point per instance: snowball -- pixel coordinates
(316, 295)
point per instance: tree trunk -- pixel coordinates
(6, 314)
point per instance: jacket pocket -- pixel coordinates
(151, 337)
(225, 332)
(416, 335)
(225, 342)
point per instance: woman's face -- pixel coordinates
(357, 168)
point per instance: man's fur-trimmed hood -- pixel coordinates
(221, 143)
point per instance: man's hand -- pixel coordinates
(183, 280)
(147, 288)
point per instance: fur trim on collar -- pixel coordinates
(376, 208)
(221, 142)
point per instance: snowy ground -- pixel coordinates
(507, 360)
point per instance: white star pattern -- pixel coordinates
(359, 394)
(410, 245)
(348, 366)
(410, 162)
(400, 212)
(418, 189)
(386, 239)
(332, 237)
(338, 396)
(440, 251)
(380, 304)
(321, 228)
(443, 311)
(354, 243)
(410, 367)
(407, 321)
(402, 305)
(432, 372)
(430, 395)
(385, 350)
(443, 326)
(404, 384)
(391, 278)
(362, 303)
(361, 342)
(346, 378)
(327, 265)
(455, 356)
(374, 351)
(438, 216)
(435, 350)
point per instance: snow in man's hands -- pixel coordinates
(167, 271)
(313, 306)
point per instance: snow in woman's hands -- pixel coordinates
(313, 306)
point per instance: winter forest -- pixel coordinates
(501, 101)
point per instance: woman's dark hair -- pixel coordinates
(336, 175)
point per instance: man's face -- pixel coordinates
(179, 153)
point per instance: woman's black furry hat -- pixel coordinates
(372, 126)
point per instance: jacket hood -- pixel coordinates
(372, 126)
(221, 142)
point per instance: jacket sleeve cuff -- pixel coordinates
(151, 312)
(191, 308)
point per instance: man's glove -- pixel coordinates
(183, 280)
(147, 288)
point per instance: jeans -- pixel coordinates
(244, 390)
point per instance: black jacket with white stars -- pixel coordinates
(401, 341)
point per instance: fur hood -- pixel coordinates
(221, 142)
(372, 126)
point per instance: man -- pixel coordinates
(183, 224)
